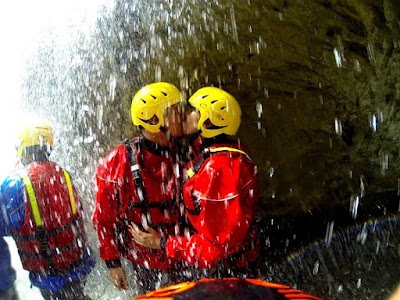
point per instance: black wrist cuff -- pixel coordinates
(113, 263)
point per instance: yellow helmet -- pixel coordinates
(220, 107)
(35, 134)
(152, 100)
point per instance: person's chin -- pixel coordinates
(190, 130)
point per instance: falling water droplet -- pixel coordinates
(338, 127)
(234, 26)
(371, 52)
(357, 66)
(329, 233)
(354, 202)
(338, 57)
(359, 283)
(316, 267)
(374, 122)
(259, 109)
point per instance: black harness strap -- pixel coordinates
(44, 254)
(137, 178)
(197, 165)
(75, 222)
(161, 205)
(47, 253)
(44, 243)
(132, 146)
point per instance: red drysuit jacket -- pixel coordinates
(221, 201)
(118, 202)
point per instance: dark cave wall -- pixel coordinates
(274, 55)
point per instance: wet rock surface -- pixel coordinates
(358, 262)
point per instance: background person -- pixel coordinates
(138, 183)
(44, 215)
(220, 194)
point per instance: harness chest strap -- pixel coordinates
(135, 170)
(144, 202)
(207, 152)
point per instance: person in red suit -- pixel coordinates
(138, 183)
(220, 193)
(43, 212)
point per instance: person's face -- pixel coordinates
(191, 120)
(173, 120)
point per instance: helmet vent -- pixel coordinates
(154, 97)
(205, 96)
(223, 107)
(165, 94)
(212, 102)
(144, 101)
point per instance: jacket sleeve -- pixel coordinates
(222, 192)
(195, 250)
(105, 216)
(12, 204)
